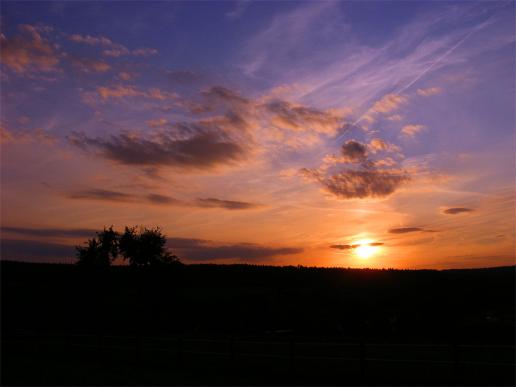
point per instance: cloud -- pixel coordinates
(349, 247)
(388, 103)
(49, 232)
(159, 199)
(123, 91)
(301, 118)
(5, 136)
(102, 194)
(227, 204)
(429, 91)
(343, 247)
(126, 76)
(88, 65)
(28, 51)
(145, 52)
(91, 40)
(157, 123)
(27, 136)
(457, 210)
(406, 230)
(411, 130)
(395, 118)
(201, 250)
(354, 152)
(202, 150)
(163, 200)
(359, 184)
(223, 94)
(35, 251)
(112, 49)
(377, 144)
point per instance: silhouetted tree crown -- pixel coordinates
(140, 247)
(100, 250)
(144, 247)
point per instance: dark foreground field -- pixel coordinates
(251, 325)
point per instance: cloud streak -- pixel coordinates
(161, 200)
(200, 250)
(457, 210)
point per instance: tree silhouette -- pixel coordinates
(145, 247)
(100, 250)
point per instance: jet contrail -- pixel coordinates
(432, 65)
(448, 52)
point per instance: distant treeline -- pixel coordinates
(476, 305)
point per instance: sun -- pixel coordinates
(365, 249)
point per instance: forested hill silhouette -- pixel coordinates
(153, 322)
(472, 304)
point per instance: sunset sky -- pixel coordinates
(353, 134)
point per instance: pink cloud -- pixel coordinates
(411, 130)
(29, 51)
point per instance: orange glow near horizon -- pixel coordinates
(366, 249)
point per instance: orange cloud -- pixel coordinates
(411, 130)
(28, 51)
(121, 91)
(429, 91)
(88, 65)
(38, 135)
(388, 103)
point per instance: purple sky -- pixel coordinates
(375, 134)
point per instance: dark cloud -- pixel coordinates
(298, 117)
(202, 150)
(35, 251)
(342, 247)
(49, 232)
(220, 93)
(349, 247)
(405, 230)
(158, 199)
(163, 199)
(228, 204)
(351, 184)
(103, 194)
(201, 250)
(354, 152)
(457, 210)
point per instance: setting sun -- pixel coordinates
(366, 249)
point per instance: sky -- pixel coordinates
(349, 134)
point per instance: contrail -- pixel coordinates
(448, 52)
(432, 65)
